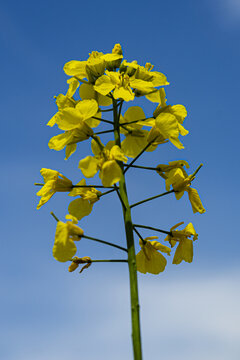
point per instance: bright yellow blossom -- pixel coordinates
(54, 182)
(184, 249)
(83, 206)
(135, 137)
(104, 161)
(74, 120)
(66, 233)
(121, 85)
(149, 259)
(180, 181)
(95, 65)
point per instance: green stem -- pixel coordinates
(152, 228)
(55, 217)
(136, 336)
(152, 198)
(104, 242)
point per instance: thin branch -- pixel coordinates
(152, 198)
(152, 228)
(111, 260)
(138, 234)
(141, 152)
(55, 217)
(141, 167)
(103, 120)
(104, 132)
(106, 192)
(120, 198)
(94, 186)
(104, 242)
(135, 121)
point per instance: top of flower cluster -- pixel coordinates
(129, 81)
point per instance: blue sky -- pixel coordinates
(189, 311)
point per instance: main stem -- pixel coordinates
(136, 335)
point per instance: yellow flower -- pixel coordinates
(149, 259)
(95, 65)
(184, 249)
(74, 120)
(54, 182)
(64, 101)
(83, 206)
(66, 233)
(121, 85)
(177, 177)
(169, 122)
(104, 161)
(154, 78)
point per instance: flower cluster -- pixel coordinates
(96, 86)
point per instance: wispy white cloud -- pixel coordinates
(187, 318)
(227, 11)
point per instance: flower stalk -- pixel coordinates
(136, 333)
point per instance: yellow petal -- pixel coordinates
(58, 142)
(64, 248)
(168, 126)
(80, 208)
(134, 113)
(104, 85)
(110, 173)
(195, 200)
(158, 246)
(154, 96)
(117, 154)
(88, 166)
(96, 149)
(94, 122)
(49, 174)
(70, 149)
(73, 85)
(133, 145)
(154, 265)
(69, 118)
(145, 86)
(53, 120)
(87, 108)
(179, 111)
(184, 251)
(122, 93)
(75, 68)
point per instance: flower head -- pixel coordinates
(54, 182)
(149, 259)
(176, 176)
(184, 249)
(88, 196)
(104, 161)
(64, 247)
